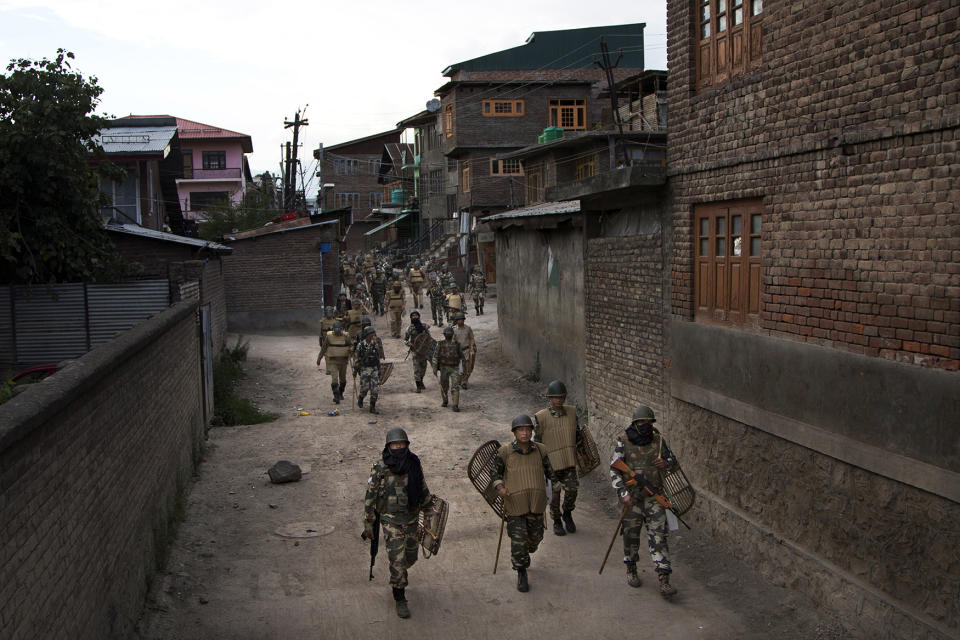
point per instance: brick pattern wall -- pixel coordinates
(214, 293)
(86, 490)
(857, 171)
(624, 330)
(363, 182)
(281, 270)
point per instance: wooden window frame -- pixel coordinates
(187, 163)
(727, 286)
(534, 184)
(497, 167)
(507, 108)
(555, 110)
(213, 160)
(448, 121)
(375, 199)
(729, 37)
(465, 178)
(347, 199)
(586, 168)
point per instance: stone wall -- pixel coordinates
(94, 462)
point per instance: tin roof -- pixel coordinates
(191, 130)
(536, 210)
(302, 223)
(137, 140)
(143, 232)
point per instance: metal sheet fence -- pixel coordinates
(46, 324)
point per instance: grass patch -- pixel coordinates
(229, 409)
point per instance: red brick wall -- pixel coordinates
(92, 463)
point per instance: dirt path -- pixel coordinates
(255, 560)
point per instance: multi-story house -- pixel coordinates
(351, 179)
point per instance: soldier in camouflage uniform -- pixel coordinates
(478, 289)
(396, 493)
(378, 289)
(436, 300)
(446, 278)
(520, 471)
(447, 358)
(366, 363)
(646, 453)
(558, 429)
(463, 333)
(419, 361)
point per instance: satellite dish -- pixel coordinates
(433, 105)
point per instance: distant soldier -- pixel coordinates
(416, 279)
(447, 358)
(463, 333)
(396, 303)
(453, 303)
(419, 360)
(446, 278)
(336, 349)
(354, 318)
(366, 363)
(378, 289)
(478, 289)
(437, 298)
(557, 428)
(326, 324)
(520, 471)
(343, 306)
(396, 493)
(646, 454)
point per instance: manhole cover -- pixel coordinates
(304, 530)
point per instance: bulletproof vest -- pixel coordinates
(559, 436)
(524, 480)
(455, 301)
(448, 353)
(367, 354)
(416, 275)
(326, 325)
(640, 458)
(463, 335)
(394, 299)
(392, 501)
(354, 316)
(338, 347)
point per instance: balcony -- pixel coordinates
(211, 174)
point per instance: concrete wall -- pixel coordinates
(273, 282)
(540, 303)
(93, 464)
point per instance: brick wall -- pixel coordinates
(93, 462)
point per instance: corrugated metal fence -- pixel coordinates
(46, 324)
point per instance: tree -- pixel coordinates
(255, 210)
(50, 228)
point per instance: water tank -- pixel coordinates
(552, 133)
(397, 196)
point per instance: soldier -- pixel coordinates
(453, 302)
(557, 428)
(436, 300)
(396, 303)
(336, 348)
(378, 289)
(416, 277)
(343, 305)
(463, 334)
(354, 318)
(366, 362)
(478, 289)
(419, 361)
(396, 493)
(646, 453)
(519, 472)
(446, 278)
(447, 358)
(327, 323)
(364, 323)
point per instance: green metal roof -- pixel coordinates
(564, 49)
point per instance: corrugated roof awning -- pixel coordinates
(387, 224)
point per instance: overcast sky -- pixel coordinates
(246, 66)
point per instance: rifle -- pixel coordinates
(374, 542)
(638, 479)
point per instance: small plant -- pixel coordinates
(6, 390)
(533, 376)
(228, 409)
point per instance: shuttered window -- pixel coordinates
(728, 276)
(730, 39)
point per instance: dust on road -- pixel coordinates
(254, 560)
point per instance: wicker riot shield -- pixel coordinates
(676, 486)
(431, 525)
(423, 345)
(480, 470)
(588, 456)
(386, 368)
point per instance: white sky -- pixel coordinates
(247, 65)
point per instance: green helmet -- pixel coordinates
(522, 420)
(556, 389)
(328, 311)
(397, 435)
(460, 315)
(643, 412)
(338, 326)
(448, 330)
(368, 331)
(365, 321)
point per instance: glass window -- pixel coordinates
(214, 159)
(756, 7)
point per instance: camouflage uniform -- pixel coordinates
(525, 530)
(566, 478)
(478, 288)
(367, 362)
(419, 362)
(644, 508)
(378, 289)
(447, 358)
(387, 495)
(437, 299)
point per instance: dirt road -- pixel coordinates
(255, 560)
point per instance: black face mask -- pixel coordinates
(641, 434)
(416, 322)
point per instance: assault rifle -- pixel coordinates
(374, 542)
(635, 479)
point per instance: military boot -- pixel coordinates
(522, 585)
(568, 521)
(336, 392)
(666, 589)
(420, 386)
(400, 598)
(373, 406)
(632, 578)
(443, 394)
(456, 401)
(558, 528)
(343, 385)
(360, 401)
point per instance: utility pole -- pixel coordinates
(290, 175)
(608, 70)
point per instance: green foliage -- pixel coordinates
(255, 210)
(6, 390)
(50, 228)
(228, 409)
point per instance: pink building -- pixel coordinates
(215, 168)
